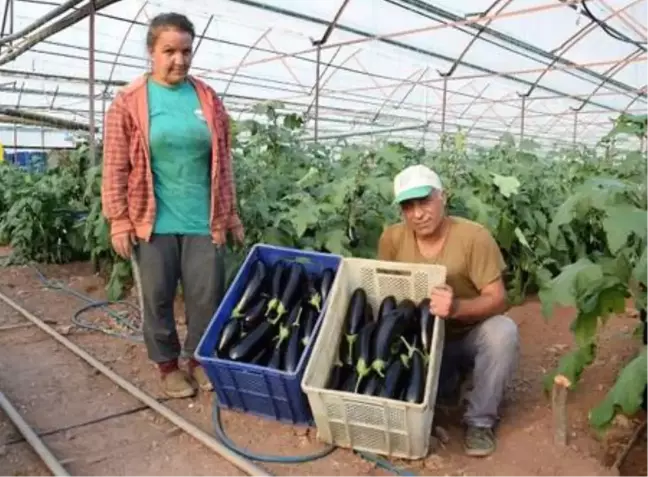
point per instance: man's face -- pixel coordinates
(425, 215)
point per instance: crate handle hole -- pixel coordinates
(401, 273)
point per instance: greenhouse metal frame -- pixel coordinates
(552, 71)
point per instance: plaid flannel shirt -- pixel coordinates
(127, 196)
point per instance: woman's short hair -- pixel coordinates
(164, 21)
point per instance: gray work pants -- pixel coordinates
(198, 264)
(491, 352)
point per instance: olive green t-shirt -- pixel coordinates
(470, 254)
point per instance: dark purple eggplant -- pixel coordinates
(369, 316)
(325, 283)
(230, 333)
(372, 385)
(257, 339)
(255, 315)
(336, 377)
(293, 352)
(261, 358)
(363, 364)
(410, 315)
(307, 323)
(355, 317)
(394, 379)
(284, 301)
(275, 360)
(290, 326)
(311, 293)
(416, 384)
(390, 329)
(427, 325)
(353, 323)
(386, 305)
(350, 382)
(252, 289)
(277, 280)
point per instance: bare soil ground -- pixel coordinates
(96, 428)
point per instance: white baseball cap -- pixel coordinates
(415, 182)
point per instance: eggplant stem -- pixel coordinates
(316, 301)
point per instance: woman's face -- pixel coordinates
(171, 55)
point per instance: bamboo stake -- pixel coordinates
(559, 408)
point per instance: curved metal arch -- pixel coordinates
(247, 53)
(611, 73)
(575, 40)
(475, 37)
(117, 55)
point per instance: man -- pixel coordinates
(472, 301)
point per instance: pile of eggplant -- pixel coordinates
(386, 353)
(273, 320)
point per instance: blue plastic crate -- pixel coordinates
(258, 390)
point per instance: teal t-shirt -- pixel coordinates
(180, 159)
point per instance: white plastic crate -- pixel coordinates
(369, 423)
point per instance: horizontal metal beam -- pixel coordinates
(415, 49)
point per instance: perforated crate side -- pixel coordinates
(374, 424)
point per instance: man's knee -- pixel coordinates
(498, 337)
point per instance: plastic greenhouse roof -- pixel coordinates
(543, 64)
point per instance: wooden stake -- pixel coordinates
(559, 407)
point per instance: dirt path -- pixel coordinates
(61, 397)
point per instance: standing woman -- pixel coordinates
(169, 196)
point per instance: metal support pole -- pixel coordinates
(317, 88)
(522, 116)
(575, 127)
(91, 82)
(443, 109)
(30, 436)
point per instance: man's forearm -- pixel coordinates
(478, 308)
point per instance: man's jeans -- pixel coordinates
(491, 351)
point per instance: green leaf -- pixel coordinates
(521, 238)
(625, 396)
(508, 185)
(621, 222)
(640, 271)
(571, 365)
(568, 287)
(336, 242)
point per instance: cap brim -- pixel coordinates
(415, 193)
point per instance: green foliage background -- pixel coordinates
(571, 223)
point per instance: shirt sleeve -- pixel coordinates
(116, 167)
(486, 261)
(227, 183)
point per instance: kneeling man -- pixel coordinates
(472, 302)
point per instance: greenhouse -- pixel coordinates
(318, 314)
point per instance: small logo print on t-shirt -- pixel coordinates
(199, 114)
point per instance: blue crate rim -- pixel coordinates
(307, 350)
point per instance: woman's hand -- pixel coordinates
(123, 244)
(239, 234)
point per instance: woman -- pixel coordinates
(169, 196)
